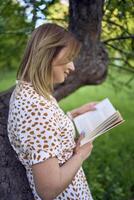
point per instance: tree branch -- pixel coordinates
(122, 59)
(122, 68)
(118, 38)
(127, 83)
(116, 24)
(118, 49)
(58, 19)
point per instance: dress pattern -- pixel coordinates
(39, 129)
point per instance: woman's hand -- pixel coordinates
(85, 150)
(85, 108)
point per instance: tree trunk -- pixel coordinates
(13, 181)
(91, 65)
(91, 68)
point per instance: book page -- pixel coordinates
(105, 108)
(89, 121)
(88, 138)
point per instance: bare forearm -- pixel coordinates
(64, 177)
(61, 177)
(69, 170)
(82, 109)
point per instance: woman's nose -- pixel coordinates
(71, 66)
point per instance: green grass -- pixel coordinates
(109, 169)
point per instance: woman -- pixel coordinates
(42, 135)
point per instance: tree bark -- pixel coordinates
(91, 64)
(91, 68)
(13, 181)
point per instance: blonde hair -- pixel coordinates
(44, 45)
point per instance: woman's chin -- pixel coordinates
(62, 81)
(59, 81)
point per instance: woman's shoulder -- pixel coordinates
(25, 94)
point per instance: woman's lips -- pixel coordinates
(66, 73)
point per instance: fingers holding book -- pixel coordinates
(78, 139)
(85, 150)
(87, 107)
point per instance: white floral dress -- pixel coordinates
(39, 129)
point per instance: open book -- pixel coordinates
(97, 122)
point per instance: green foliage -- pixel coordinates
(109, 169)
(13, 34)
(53, 14)
(15, 27)
(118, 36)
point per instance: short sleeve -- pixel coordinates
(39, 133)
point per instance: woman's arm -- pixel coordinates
(51, 179)
(82, 109)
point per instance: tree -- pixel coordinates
(85, 19)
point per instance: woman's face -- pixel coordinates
(61, 71)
